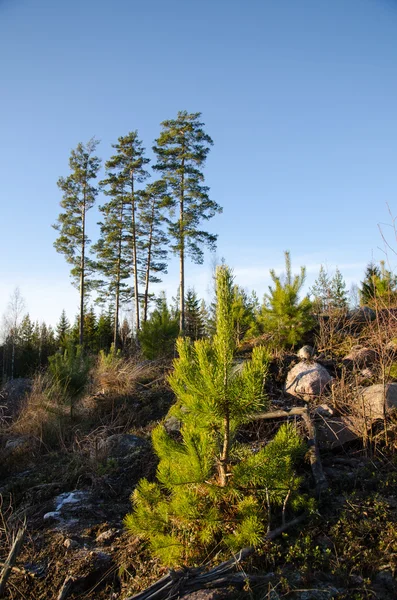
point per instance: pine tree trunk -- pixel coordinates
(147, 277)
(135, 259)
(118, 278)
(223, 465)
(116, 318)
(182, 253)
(82, 267)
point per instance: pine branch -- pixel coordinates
(178, 583)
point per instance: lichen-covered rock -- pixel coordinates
(307, 380)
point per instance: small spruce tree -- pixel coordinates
(321, 292)
(194, 323)
(213, 490)
(158, 334)
(62, 330)
(339, 300)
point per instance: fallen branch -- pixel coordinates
(12, 557)
(314, 453)
(177, 583)
(297, 411)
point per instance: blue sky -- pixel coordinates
(299, 98)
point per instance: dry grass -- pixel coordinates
(43, 415)
(113, 374)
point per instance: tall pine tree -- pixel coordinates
(153, 238)
(113, 249)
(321, 291)
(126, 169)
(182, 149)
(78, 197)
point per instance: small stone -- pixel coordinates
(15, 443)
(52, 515)
(323, 410)
(172, 425)
(120, 445)
(106, 536)
(306, 352)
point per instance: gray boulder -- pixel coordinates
(307, 380)
(335, 432)
(375, 398)
(12, 396)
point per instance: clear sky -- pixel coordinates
(299, 97)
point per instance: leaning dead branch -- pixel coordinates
(314, 453)
(179, 582)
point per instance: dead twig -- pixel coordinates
(10, 562)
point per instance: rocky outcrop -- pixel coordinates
(307, 380)
(121, 445)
